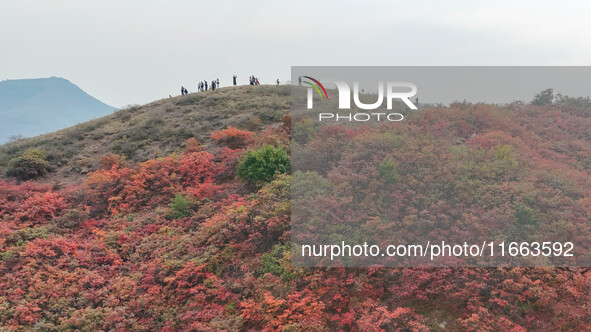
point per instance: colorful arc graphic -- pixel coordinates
(315, 87)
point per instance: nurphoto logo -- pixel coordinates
(388, 90)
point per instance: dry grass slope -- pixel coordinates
(153, 130)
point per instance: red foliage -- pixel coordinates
(110, 160)
(192, 145)
(40, 207)
(227, 266)
(30, 203)
(105, 185)
(233, 138)
(153, 183)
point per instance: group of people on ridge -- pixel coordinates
(203, 85)
(253, 80)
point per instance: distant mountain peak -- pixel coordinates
(35, 106)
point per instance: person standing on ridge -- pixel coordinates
(205, 82)
(234, 79)
(217, 83)
(182, 90)
(277, 81)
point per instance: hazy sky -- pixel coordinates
(136, 51)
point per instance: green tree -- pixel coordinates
(545, 97)
(180, 206)
(309, 184)
(29, 165)
(387, 171)
(524, 215)
(260, 166)
(303, 131)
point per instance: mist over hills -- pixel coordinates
(30, 107)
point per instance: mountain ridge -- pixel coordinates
(30, 107)
(152, 130)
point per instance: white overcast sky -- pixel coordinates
(136, 51)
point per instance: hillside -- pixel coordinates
(154, 130)
(191, 231)
(30, 107)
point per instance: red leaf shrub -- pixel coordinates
(233, 138)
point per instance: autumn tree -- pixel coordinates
(233, 138)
